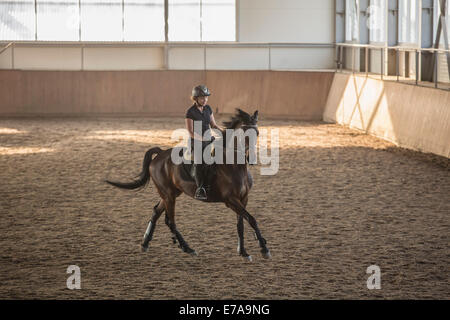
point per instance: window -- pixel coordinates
(117, 20)
(202, 20)
(409, 21)
(351, 20)
(447, 20)
(377, 12)
(144, 20)
(437, 12)
(184, 20)
(101, 20)
(58, 19)
(17, 20)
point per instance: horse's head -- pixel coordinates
(244, 121)
(249, 125)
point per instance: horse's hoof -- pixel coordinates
(190, 251)
(244, 255)
(266, 255)
(144, 249)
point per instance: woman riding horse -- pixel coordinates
(201, 112)
(231, 186)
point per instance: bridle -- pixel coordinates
(251, 126)
(245, 128)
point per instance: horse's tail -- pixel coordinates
(143, 178)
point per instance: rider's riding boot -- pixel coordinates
(200, 193)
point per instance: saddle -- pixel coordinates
(187, 171)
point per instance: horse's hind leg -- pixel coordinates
(170, 221)
(157, 211)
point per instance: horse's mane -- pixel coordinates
(241, 117)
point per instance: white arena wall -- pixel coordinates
(410, 116)
(38, 56)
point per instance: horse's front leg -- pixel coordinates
(237, 207)
(240, 229)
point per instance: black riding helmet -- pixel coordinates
(200, 91)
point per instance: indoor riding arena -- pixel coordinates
(354, 97)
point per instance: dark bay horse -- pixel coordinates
(231, 185)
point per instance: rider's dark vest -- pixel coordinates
(205, 117)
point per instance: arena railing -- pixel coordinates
(382, 73)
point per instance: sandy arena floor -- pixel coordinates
(341, 201)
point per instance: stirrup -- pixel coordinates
(200, 194)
